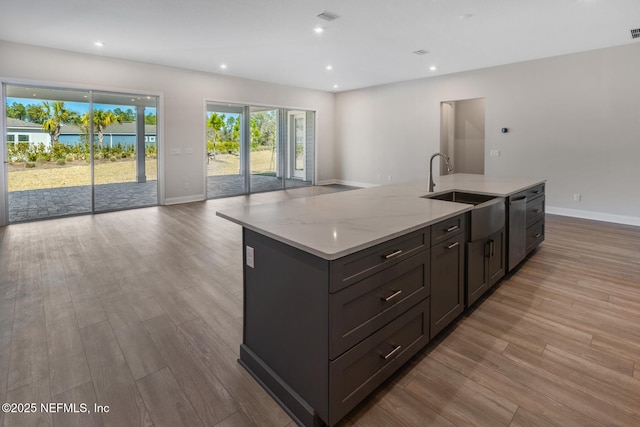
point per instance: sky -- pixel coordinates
(78, 107)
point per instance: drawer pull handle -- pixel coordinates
(453, 245)
(536, 210)
(452, 228)
(392, 296)
(392, 352)
(392, 254)
(537, 235)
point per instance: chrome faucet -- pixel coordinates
(447, 162)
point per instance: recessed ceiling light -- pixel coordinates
(335, 86)
(318, 30)
(433, 68)
(329, 67)
(223, 66)
(99, 44)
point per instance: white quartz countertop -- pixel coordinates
(334, 225)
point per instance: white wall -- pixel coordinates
(184, 93)
(574, 120)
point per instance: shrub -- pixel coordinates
(29, 165)
(61, 162)
(113, 158)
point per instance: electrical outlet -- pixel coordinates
(250, 258)
(494, 153)
(186, 185)
(390, 178)
(577, 197)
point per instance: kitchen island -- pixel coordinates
(340, 290)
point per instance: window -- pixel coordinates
(23, 138)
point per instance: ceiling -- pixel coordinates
(371, 43)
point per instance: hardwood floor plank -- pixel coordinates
(68, 366)
(393, 406)
(456, 407)
(175, 306)
(88, 310)
(36, 392)
(83, 393)
(210, 399)
(7, 315)
(237, 419)
(619, 389)
(167, 404)
(112, 379)
(28, 356)
(138, 349)
(525, 418)
(119, 311)
(228, 327)
(505, 378)
(574, 389)
(248, 394)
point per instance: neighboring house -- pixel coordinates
(21, 131)
(125, 133)
(117, 133)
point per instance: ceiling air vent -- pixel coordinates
(328, 16)
(635, 34)
(421, 52)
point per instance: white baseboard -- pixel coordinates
(598, 216)
(350, 183)
(184, 199)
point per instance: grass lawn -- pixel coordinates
(51, 175)
(229, 164)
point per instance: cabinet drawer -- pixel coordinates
(353, 268)
(535, 210)
(446, 229)
(534, 192)
(364, 307)
(359, 371)
(535, 235)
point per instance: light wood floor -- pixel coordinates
(141, 311)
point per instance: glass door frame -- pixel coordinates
(284, 168)
(4, 82)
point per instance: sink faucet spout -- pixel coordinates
(447, 161)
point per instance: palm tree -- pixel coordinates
(57, 115)
(101, 119)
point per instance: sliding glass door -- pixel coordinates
(224, 150)
(264, 153)
(271, 150)
(125, 151)
(73, 152)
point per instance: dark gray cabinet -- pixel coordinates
(321, 335)
(447, 272)
(485, 265)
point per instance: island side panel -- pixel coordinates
(286, 323)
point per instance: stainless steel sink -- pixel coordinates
(487, 215)
(461, 197)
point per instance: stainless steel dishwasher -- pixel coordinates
(517, 230)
